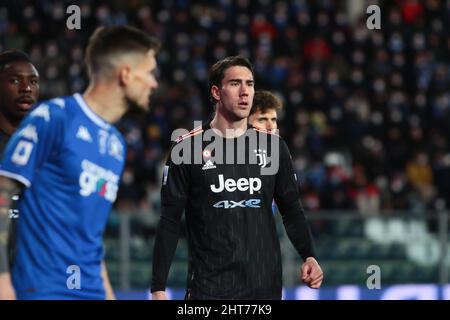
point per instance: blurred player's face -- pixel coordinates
(142, 81)
(235, 96)
(19, 90)
(266, 121)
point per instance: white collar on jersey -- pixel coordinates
(89, 113)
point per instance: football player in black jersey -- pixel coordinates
(226, 194)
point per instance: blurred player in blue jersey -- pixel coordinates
(64, 163)
(19, 91)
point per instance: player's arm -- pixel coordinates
(106, 283)
(287, 198)
(174, 194)
(28, 148)
(297, 227)
(8, 189)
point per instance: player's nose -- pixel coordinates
(271, 125)
(153, 83)
(25, 86)
(245, 89)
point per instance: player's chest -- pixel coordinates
(232, 168)
(218, 178)
(91, 151)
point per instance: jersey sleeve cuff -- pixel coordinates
(157, 288)
(308, 254)
(16, 177)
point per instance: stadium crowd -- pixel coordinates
(366, 112)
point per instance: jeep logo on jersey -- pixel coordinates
(95, 179)
(230, 204)
(243, 184)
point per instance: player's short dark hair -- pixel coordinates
(264, 101)
(217, 71)
(109, 42)
(10, 56)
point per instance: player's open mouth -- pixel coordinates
(25, 104)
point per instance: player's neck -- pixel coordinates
(6, 127)
(228, 128)
(105, 102)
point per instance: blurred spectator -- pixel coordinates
(365, 193)
(317, 49)
(358, 103)
(420, 175)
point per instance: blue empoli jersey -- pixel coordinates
(70, 161)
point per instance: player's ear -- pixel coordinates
(124, 74)
(215, 92)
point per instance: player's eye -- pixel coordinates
(34, 82)
(14, 81)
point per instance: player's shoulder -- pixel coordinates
(272, 137)
(116, 132)
(269, 134)
(51, 110)
(264, 131)
(189, 135)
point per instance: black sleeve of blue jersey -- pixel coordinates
(287, 198)
(174, 193)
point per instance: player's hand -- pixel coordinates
(6, 288)
(159, 295)
(110, 295)
(311, 273)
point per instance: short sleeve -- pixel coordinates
(38, 136)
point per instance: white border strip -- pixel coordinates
(17, 177)
(89, 113)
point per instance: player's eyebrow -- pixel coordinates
(241, 80)
(23, 75)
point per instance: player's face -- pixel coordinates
(235, 95)
(266, 121)
(19, 89)
(142, 82)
